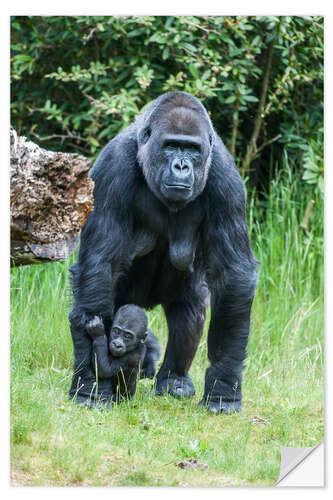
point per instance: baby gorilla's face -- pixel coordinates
(128, 330)
(122, 340)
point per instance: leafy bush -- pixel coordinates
(78, 80)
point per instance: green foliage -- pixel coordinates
(313, 163)
(196, 449)
(78, 80)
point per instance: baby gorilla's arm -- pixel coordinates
(107, 365)
(153, 352)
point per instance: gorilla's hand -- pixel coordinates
(95, 327)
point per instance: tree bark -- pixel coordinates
(51, 197)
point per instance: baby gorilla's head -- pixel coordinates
(129, 329)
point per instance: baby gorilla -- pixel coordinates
(132, 346)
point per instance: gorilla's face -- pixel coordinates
(174, 152)
(129, 328)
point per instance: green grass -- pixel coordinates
(139, 443)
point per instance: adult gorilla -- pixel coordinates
(168, 227)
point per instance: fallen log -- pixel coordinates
(50, 199)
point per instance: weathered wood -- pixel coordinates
(50, 199)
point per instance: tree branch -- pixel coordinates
(252, 146)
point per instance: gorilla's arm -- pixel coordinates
(106, 238)
(107, 365)
(231, 278)
(105, 251)
(153, 352)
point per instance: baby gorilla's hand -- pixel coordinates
(95, 327)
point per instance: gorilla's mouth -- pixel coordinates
(117, 352)
(179, 187)
(177, 190)
(176, 193)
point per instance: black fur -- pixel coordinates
(132, 348)
(168, 227)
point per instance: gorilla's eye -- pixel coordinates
(146, 134)
(171, 145)
(193, 147)
(128, 336)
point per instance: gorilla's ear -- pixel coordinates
(144, 135)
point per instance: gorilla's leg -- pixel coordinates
(227, 342)
(185, 321)
(153, 352)
(86, 389)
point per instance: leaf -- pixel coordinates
(136, 32)
(168, 22)
(165, 53)
(206, 74)
(23, 58)
(230, 99)
(250, 98)
(189, 47)
(193, 70)
(93, 142)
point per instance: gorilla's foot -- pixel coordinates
(93, 400)
(217, 404)
(84, 390)
(99, 401)
(148, 372)
(177, 386)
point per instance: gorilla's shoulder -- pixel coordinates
(118, 153)
(224, 183)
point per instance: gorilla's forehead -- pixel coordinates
(131, 319)
(182, 120)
